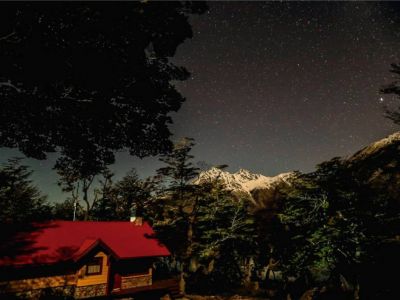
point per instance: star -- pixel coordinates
(280, 86)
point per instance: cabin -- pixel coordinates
(83, 259)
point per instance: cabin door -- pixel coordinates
(117, 282)
(114, 281)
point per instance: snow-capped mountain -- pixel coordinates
(373, 149)
(377, 163)
(243, 180)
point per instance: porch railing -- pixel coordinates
(134, 281)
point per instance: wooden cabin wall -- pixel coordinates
(133, 273)
(37, 283)
(84, 279)
(134, 281)
(92, 285)
(85, 285)
(132, 266)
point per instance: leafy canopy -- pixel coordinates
(88, 79)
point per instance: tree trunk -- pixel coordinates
(182, 283)
(85, 198)
(189, 238)
(357, 292)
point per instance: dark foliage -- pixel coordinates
(65, 210)
(179, 170)
(20, 200)
(179, 199)
(341, 220)
(208, 230)
(125, 198)
(89, 79)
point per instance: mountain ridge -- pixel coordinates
(243, 180)
(261, 190)
(375, 147)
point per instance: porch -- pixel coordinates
(166, 286)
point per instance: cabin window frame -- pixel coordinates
(95, 261)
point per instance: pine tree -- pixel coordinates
(126, 197)
(179, 171)
(20, 200)
(180, 203)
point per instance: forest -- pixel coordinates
(333, 233)
(329, 232)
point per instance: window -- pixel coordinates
(94, 266)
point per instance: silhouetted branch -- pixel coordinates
(9, 84)
(7, 36)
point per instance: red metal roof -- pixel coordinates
(56, 241)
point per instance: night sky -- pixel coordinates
(278, 86)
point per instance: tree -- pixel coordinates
(128, 196)
(179, 171)
(324, 227)
(89, 79)
(209, 230)
(78, 180)
(339, 220)
(68, 210)
(179, 199)
(20, 201)
(226, 236)
(134, 195)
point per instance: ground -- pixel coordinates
(235, 297)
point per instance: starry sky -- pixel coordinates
(277, 86)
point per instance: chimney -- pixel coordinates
(138, 221)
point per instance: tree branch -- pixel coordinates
(9, 84)
(7, 36)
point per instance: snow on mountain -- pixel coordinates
(375, 147)
(243, 180)
(370, 162)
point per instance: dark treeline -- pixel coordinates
(332, 233)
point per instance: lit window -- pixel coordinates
(94, 266)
